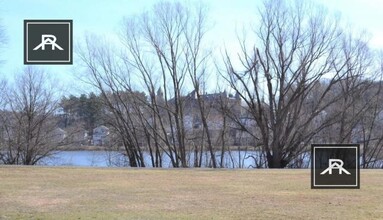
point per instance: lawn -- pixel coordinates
(100, 193)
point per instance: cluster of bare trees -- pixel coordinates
(299, 78)
(161, 49)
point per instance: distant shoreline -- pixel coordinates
(83, 148)
(105, 148)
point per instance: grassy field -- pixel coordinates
(92, 193)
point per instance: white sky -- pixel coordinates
(104, 17)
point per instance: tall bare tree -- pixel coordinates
(288, 77)
(107, 74)
(164, 47)
(27, 120)
(359, 75)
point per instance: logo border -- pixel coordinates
(316, 186)
(63, 62)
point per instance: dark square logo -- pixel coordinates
(48, 42)
(335, 166)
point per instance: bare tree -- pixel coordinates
(3, 41)
(107, 74)
(368, 131)
(28, 124)
(296, 57)
(164, 47)
(196, 69)
(2, 112)
(359, 74)
(161, 48)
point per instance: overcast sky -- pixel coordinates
(104, 17)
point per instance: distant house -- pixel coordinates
(59, 112)
(188, 122)
(81, 137)
(58, 135)
(100, 135)
(215, 104)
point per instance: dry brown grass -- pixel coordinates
(90, 193)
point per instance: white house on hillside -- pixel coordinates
(100, 135)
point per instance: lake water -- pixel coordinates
(233, 159)
(78, 158)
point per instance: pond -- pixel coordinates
(232, 159)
